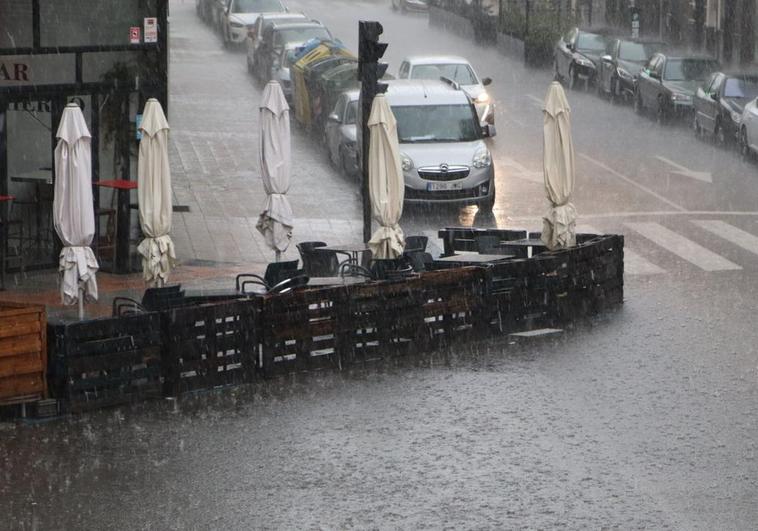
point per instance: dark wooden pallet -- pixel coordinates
(106, 362)
(209, 345)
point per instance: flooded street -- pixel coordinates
(644, 418)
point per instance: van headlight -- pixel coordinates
(483, 98)
(406, 162)
(482, 158)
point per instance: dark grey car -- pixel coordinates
(719, 104)
(667, 84)
(618, 69)
(577, 55)
(341, 133)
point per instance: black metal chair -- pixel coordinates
(419, 260)
(276, 272)
(153, 300)
(306, 252)
(319, 262)
(416, 243)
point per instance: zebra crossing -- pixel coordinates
(672, 248)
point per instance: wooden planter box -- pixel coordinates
(23, 353)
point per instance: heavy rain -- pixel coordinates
(254, 279)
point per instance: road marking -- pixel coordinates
(730, 233)
(633, 182)
(634, 263)
(704, 176)
(537, 101)
(521, 172)
(684, 248)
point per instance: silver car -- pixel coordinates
(444, 156)
(341, 133)
(458, 69)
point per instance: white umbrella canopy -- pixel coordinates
(73, 208)
(276, 221)
(559, 224)
(154, 195)
(386, 181)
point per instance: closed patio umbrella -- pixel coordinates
(386, 182)
(276, 221)
(559, 224)
(73, 209)
(154, 194)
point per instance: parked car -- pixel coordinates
(443, 154)
(280, 36)
(204, 10)
(410, 5)
(577, 55)
(720, 102)
(281, 70)
(456, 69)
(240, 16)
(341, 133)
(668, 83)
(749, 130)
(618, 69)
(255, 34)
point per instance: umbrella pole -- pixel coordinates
(278, 256)
(81, 303)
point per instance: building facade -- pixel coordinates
(108, 56)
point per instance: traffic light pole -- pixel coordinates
(370, 71)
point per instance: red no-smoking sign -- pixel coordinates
(134, 35)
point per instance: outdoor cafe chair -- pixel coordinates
(416, 243)
(154, 299)
(320, 262)
(275, 273)
(419, 260)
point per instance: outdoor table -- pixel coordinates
(469, 259)
(353, 249)
(5, 200)
(123, 188)
(530, 244)
(336, 281)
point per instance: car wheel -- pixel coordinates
(697, 128)
(613, 95)
(661, 115)
(719, 136)
(343, 165)
(572, 78)
(488, 204)
(639, 107)
(744, 146)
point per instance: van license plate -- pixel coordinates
(439, 187)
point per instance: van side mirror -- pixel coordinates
(487, 81)
(488, 131)
(606, 59)
(715, 96)
(333, 118)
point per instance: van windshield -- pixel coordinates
(436, 123)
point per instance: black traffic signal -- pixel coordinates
(370, 71)
(370, 50)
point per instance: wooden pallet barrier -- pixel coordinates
(23, 353)
(210, 345)
(106, 362)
